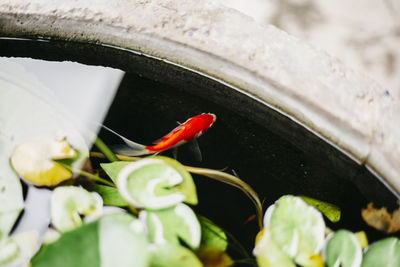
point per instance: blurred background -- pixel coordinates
(363, 34)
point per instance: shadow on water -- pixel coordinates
(272, 153)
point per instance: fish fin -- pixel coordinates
(175, 153)
(135, 149)
(193, 146)
(156, 142)
(126, 150)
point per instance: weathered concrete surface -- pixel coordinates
(347, 109)
(364, 34)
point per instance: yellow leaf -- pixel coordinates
(33, 161)
(381, 219)
(362, 239)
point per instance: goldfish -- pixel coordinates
(192, 128)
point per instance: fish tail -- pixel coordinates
(131, 148)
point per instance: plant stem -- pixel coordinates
(105, 150)
(87, 175)
(233, 181)
(216, 175)
(247, 261)
(119, 157)
(133, 209)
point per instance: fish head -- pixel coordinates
(207, 120)
(197, 125)
(204, 121)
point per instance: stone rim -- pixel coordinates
(344, 108)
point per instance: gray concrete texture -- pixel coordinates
(346, 108)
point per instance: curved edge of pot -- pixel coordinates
(345, 108)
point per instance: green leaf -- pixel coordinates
(114, 240)
(187, 187)
(332, 212)
(385, 252)
(78, 247)
(123, 242)
(213, 257)
(269, 254)
(214, 243)
(343, 250)
(167, 255)
(70, 161)
(170, 225)
(212, 235)
(110, 195)
(153, 182)
(112, 169)
(297, 228)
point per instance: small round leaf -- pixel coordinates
(69, 202)
(343, 249)
(268, 253)
(297, 228)
(170, 225)
(155, 183)
(385, 252)
(33, 161)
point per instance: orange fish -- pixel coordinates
(190, 129)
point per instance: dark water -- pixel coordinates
(267, 150)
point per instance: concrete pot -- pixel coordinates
(345, 109)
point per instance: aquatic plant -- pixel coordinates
(140, 215)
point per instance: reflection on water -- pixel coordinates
(86, 92)
(40, 99)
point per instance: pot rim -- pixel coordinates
(344, 108)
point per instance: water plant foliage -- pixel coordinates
(133, 222)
